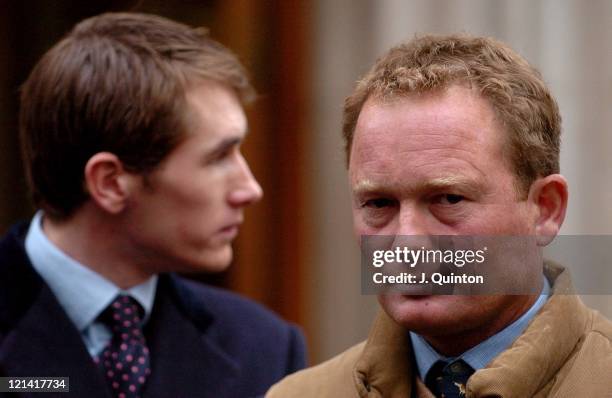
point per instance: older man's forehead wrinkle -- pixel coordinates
(432, 125)
(430, 149)
(473, 167)
(427, 131)
(369, 160)
(420, 141)
(434, 130)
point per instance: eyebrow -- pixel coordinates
(468, 185)
(224, 145)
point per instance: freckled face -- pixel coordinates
(188, 216)
(432, 164)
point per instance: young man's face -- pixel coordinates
(189, 210)
(432, 164)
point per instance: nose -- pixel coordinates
(246, 190)
(411, 221)
(411, 229)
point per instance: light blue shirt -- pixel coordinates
(83, 293)
(479, 356)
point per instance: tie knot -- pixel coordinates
(123, 314)
(458, 369)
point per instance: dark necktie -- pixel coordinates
(448, 379)
(125, 360)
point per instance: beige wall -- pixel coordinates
(567, 40)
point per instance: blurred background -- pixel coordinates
(296, 252)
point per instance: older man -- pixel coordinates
(458, 135)
(131, 129)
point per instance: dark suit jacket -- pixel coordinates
(204, 342)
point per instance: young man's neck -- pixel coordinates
(93, 240)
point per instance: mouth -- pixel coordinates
(230, 231)
(416, 297)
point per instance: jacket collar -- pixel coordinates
(186, 360)
(386, 364)
(36, 336)
(531, 362)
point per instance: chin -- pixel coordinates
(210, 260)
(427, 315)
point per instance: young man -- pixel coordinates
(131, 129)
(458, 135)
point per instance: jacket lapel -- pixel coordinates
(45, 343)
(186, 361)
(534, 359)
(385, 365)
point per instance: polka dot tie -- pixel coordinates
(125, 360)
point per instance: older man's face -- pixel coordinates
(432, 164)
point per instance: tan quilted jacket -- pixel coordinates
(566, 351)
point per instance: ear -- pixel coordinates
(107, 182)
(549, 194)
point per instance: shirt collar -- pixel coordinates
(479, 356)
(83, 293)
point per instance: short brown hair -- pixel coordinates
(519, 97)
(115, 83)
